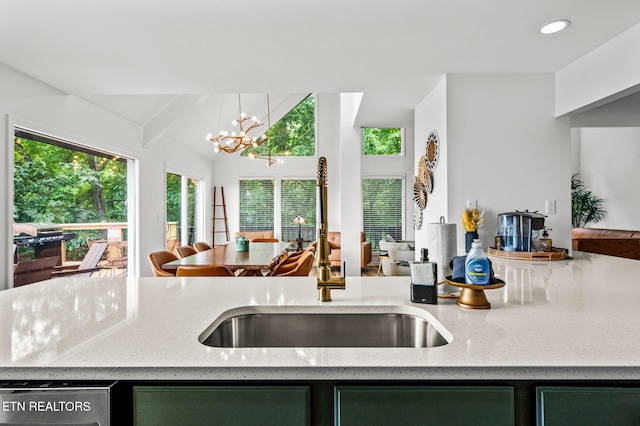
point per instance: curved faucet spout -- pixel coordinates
(325, 281)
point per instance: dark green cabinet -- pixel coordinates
(424, 405)
(221, 405)
(558, 405)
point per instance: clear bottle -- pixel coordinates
(476, 266)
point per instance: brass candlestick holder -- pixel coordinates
(472, 295)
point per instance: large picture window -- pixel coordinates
(256, 205)
(382, 208)
(80, 190)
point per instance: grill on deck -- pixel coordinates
(45, 238)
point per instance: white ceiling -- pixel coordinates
(144, 58)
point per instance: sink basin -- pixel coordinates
(347, 327)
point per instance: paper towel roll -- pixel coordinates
(442, 245)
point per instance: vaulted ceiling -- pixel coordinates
(175, 67)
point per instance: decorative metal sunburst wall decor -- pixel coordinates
(423, 181)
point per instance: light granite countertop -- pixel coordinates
(571, 319)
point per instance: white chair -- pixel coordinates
(403, 251)
(398, 262)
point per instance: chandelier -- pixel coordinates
(240, 140)
(270, 160)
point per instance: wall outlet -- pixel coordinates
(551, 207)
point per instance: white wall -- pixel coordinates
(431, 114)
(608, 72)
(30, 103)
(502, 147)
(609, 159)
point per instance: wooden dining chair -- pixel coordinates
(159, 258)
(204, 271)
(184, 251)
(301, 267)
(201, 246)
(264, 240)
(294, 256)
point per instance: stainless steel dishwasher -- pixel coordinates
(51, 403)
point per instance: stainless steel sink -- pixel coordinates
(331, 328)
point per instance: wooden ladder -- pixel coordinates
(216, 217)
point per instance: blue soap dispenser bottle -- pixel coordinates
(476, 266)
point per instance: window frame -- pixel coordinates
(199, 214)
(275, 195)
(133, 173)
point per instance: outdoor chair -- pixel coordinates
(116, 258)
(31, 271)
(172, 243)
(88, 265)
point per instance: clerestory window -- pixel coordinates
(293, 135)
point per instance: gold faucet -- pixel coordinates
(325, 281)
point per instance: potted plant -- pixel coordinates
(585, 206)
(471, 221)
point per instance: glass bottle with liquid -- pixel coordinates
(545, 241)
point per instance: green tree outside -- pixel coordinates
(60, 185)
(294, 134)
(381, 141)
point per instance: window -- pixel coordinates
(382, 208)
(298, 197)
(81, 189)
(183, 210)
(381, 141)
(294, 134)
(256, 205)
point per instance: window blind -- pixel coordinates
(382, 209)
(256, 205)
(298, 197)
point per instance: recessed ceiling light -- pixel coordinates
(555, 26)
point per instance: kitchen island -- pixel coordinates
(570, 320)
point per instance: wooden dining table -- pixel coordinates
(258, 257)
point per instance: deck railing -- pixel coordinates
(112, 231)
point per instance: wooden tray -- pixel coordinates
(554, 254)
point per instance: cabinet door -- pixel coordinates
(224, 405)
(424, 405)
(587, 406)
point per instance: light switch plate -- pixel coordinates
(551, 207)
